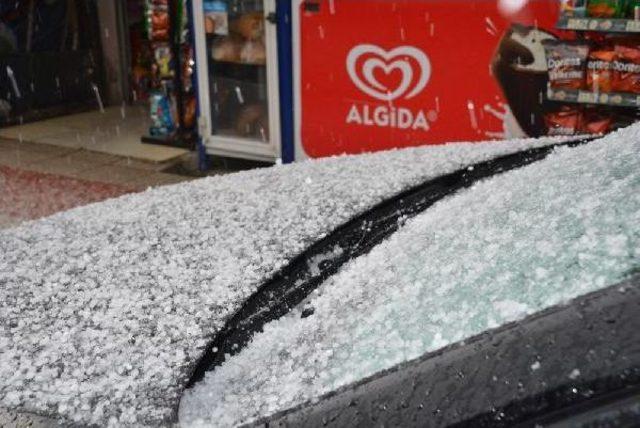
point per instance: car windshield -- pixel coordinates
(505, 248)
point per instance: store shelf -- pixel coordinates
(232, 133)
(587, 97)
(184, 139)
(241, 72)
(599, 24)
(242, 64)
(239, 7)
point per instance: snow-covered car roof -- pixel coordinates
(106, 309)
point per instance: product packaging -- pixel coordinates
(600, 69)
(566, 63)
(253, 52)
(160, 25)
(163, 58)
(189, 116)
(160, 112)
(595, 122)
(227, 49)
(626, 69)
(249, 26)
(566, 121)
(216, 17)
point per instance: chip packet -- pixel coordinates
(626, 69)
(594, 121)
(565, 121)
(566, 63)
(600, 70)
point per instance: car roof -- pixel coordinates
(106, 309)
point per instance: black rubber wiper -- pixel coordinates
(306, 272)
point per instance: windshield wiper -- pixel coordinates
(305, 273)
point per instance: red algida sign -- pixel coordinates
(381, 74)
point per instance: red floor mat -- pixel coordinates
(27, 195)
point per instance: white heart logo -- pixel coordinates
(395, 59)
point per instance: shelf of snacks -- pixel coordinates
(615, 16)
(599, 24)
(172, 103)
(230, 49)
(249, 73)
(594, 73)
(594, 80)
(585, 120)
(241, 41)
(580, 96)
(239, 63)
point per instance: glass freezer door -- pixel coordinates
(237, 78)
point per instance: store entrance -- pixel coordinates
(84, 74)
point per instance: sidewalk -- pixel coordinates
(40, 179)
(114, 131)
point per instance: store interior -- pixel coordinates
(131, 93)
(235, 32)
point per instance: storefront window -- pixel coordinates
(236, 53)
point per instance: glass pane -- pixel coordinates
(505, 248)
(236, 50)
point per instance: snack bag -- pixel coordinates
(160, 26)
(566, 63)
(600, 70)
(566, 121)
(595, 121)
(253, 52)
(227, 49)
(605, 8)
(163, 60)
(626, 69)
(249, 26)
(189, 115)
(160, 114)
